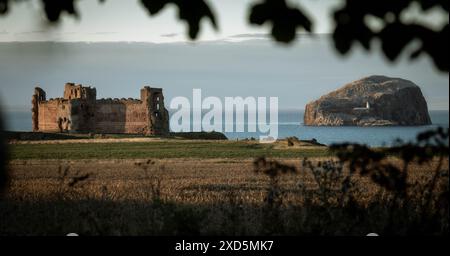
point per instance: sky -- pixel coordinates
(237, 60)
(119, 20)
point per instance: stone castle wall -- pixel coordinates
(80, 111)
(122, 116)
(54, 114)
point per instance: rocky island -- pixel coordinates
(370, 101)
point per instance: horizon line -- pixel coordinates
(23, 108)
(237, 38)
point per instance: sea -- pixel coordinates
(290, 123)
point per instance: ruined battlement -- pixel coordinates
(79, 111)
(120, 101)
(77, 91)
(54, 100)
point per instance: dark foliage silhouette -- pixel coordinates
(192, 12)
(399, 207)
(274, 196)
(52, 8)
(284, 19)
(3, 154)
(351, 23)
(352, 26)
(373, 163)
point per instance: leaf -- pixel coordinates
(285, 20)
(192, 12)
(395, 37)
(54, 8)
(3, 6)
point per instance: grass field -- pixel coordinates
(161, 149)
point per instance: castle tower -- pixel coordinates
(38, 96)
(157, 113)
(77, 91)
(82, 103)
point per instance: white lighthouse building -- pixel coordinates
(363, 108)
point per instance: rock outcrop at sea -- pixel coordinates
(370, 101)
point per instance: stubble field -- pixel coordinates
(212, 189)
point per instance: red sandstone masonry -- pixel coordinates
(80, 111)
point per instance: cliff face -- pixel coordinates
(371, 101)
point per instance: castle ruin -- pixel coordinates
(80, 111)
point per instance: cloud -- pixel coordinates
(103, 33)
(169, 35)
(268, 36)
(4, 32)
(31, 32)
(250, 36)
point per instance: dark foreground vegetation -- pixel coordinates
(395, 191)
